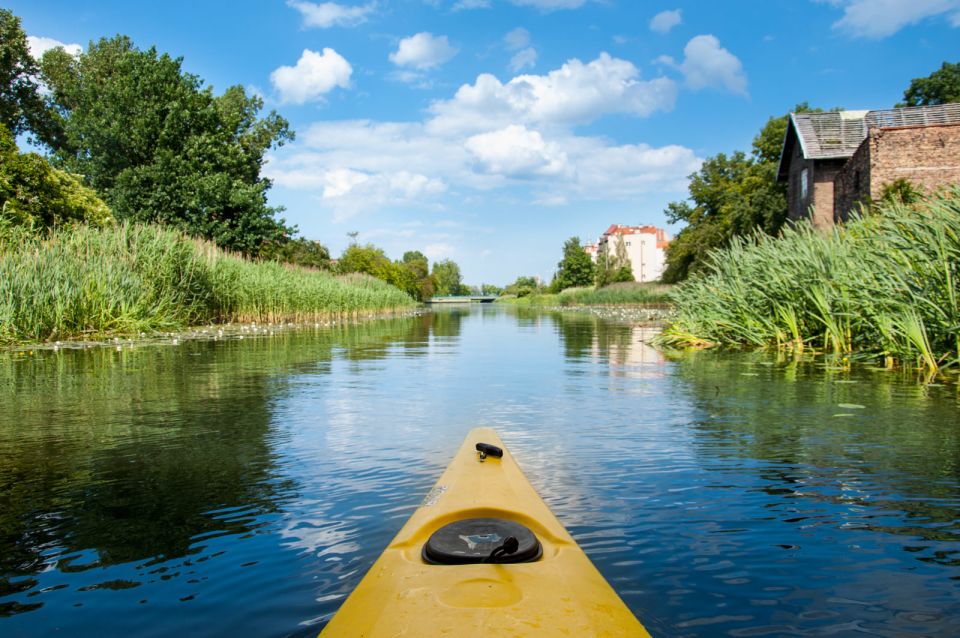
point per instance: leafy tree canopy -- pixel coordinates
(731, 195)
(446, 275)
(160, 147)
(575, 269)
(36, 195)
(940, 87)
(301, 252)
(22, 107)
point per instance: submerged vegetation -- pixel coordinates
(885, 284)
(132, 278)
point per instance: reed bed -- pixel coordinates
(129, 278)
(884, 284)
(619, 294)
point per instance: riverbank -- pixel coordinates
(884, 286)
(85, 283)
(620, 294)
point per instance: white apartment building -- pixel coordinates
(645, 247)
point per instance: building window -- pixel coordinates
(804, 183)
(628, 243)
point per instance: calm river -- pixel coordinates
(243, 486)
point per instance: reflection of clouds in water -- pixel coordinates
(317, 535)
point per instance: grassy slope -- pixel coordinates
(133, 278)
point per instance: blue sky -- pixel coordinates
(489, 131)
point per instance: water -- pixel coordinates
(243, 487)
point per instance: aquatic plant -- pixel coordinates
(139, 278)
(885, 284)
(615, 294)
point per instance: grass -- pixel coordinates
(883, 285)
(621, 294)
(128, 279)
(616, 295)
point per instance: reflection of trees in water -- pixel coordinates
(131, 454)
(850, 439)
(375, 340)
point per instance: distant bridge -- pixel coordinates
(463, 299)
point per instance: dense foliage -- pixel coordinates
(410, 274)
(575, 268)
(447, 278)
(35, 195)
(614, 267)
(524, 286)
(159, 147)
(730, 196)
(129, 278)
(885, 284)
(940, 87)
(298, 252)
(23, 108)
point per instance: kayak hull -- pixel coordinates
(560, 594)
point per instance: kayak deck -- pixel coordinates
(560, 594)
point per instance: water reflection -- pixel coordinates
(246, 486)
(140, 458)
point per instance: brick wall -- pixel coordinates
(926, 156)
(825, 171)
(852, 183)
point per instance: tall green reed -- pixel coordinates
(884, 284)
(134, 278)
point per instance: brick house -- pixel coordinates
(833, 161)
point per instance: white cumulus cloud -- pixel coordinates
(517, 152)
(39, 45)
(575, 93)
(423, 51)
(331, 14)
(314, 75)
(666, 20)
(882, 18)
(491, 136)
(708, 65)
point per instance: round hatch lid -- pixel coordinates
(473, 540)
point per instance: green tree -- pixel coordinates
(23, 108)
(366, 259)
(613, 267)
(159, 147)
(575, 269)
(940, 87)
(416, 269)
(731, 195)
(300, 252)
(446, 275)
(523, 286)
(36, 195)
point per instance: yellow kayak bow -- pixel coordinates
(483, 556)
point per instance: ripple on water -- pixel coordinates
(248, 485)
